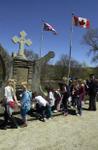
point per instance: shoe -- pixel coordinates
(55, 111)
(49, 119)
(3, 127)
(24, 125)
(14, 127)
(77, 114)
(65, 114)
(44, 119)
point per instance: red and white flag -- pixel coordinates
(81, 22)
(48, 27)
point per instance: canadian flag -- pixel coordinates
(82, 22)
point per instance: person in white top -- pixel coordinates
(58, 100)
(9, 104)
(41, 101)
(51, 98)
(9, 93)
(43, 107)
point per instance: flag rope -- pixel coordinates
(41, 39)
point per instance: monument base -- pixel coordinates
(21, 57)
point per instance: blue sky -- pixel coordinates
(18, 15)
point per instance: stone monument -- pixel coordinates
(20, 68)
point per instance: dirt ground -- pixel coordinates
(61, 133)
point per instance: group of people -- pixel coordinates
(67, 95)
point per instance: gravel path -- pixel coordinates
(60, 133)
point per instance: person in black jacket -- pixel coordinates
(92, 92)
(64, 89)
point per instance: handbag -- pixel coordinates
(11, 104)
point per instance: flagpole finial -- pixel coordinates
(72, 14)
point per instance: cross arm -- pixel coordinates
(28, 42)
(15, 39)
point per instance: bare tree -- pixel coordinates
(30, 54)
(91, 39)
(64, 60)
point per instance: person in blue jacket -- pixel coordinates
(25, 103)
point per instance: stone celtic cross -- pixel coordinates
(22, 42)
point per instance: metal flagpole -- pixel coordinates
(70, 51)
(41, 40)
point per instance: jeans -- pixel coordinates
(9, 117)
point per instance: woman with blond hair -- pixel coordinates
(82, 90)
(26, 99)
(9, 104)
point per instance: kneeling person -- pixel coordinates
(43, 106)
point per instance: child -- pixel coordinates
(51, 98)
(77, 99)
(43, 107)
(26, 98)
(58, 100)
(9, 104)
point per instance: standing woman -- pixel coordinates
(64, 89)
(76, 97)
(9, 104)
